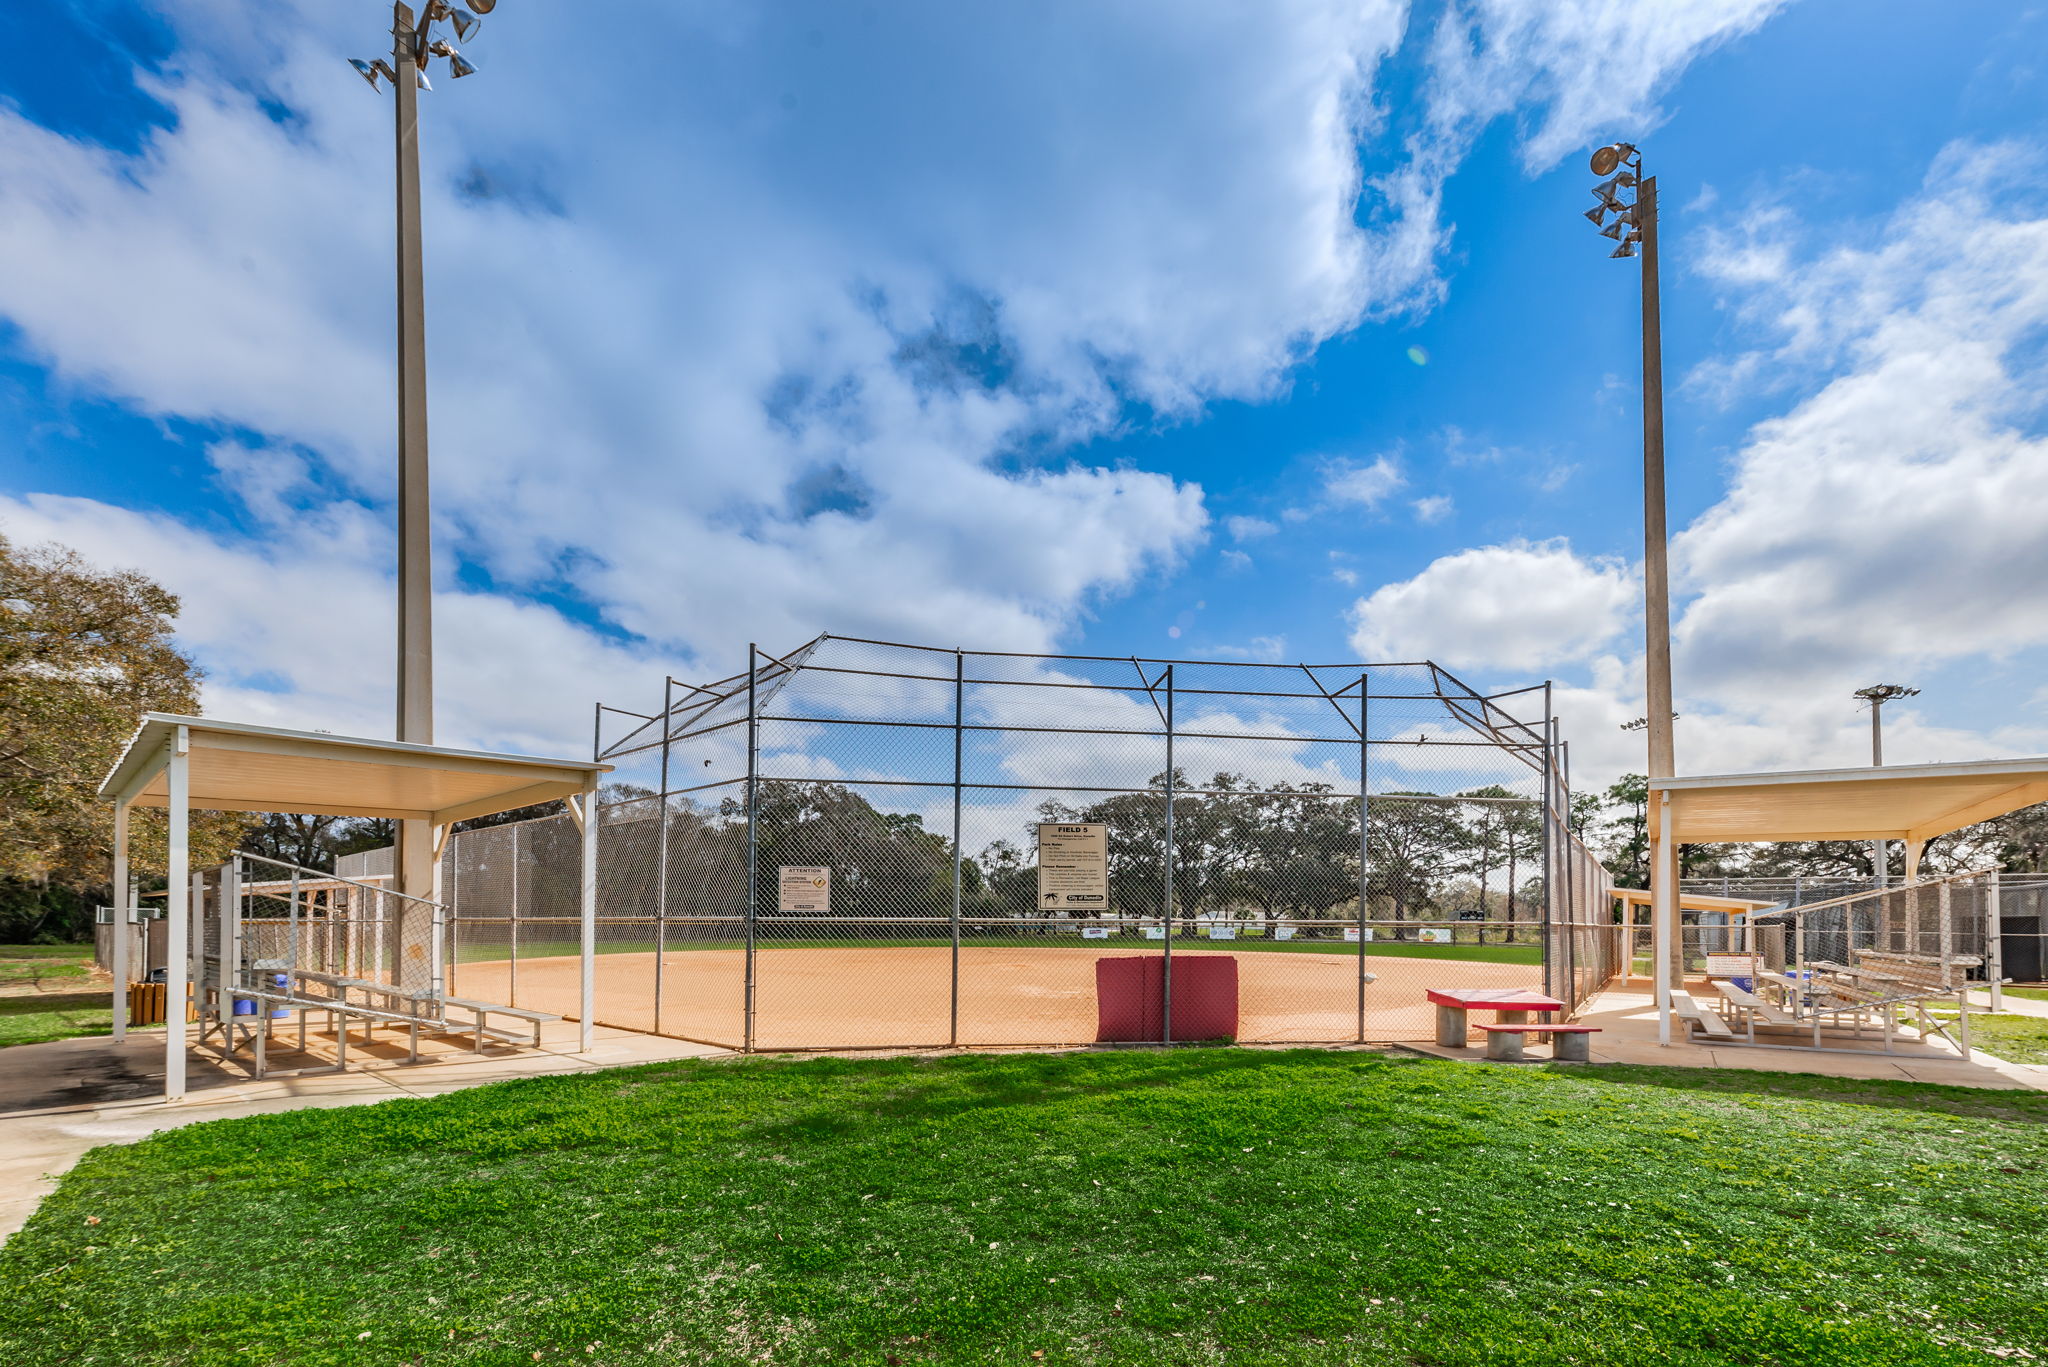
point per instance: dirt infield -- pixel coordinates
(852, 997)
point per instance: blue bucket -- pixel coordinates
(280, 1013)
(244, 1007)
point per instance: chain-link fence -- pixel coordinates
(842, 848)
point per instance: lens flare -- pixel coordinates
(1418, 355)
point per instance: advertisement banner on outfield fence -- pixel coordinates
(1095, 932)
(1438, 935)
(1223, 932)
(1073, 866)
(1283, 932)
(1351, 934)
(803, 887)
(1155, 932)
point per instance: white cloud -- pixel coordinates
(1243, 529)
(1891, 519)
(1433, 509)
(1513, 607)
(1348, 481)
(1236, 561)
(1595, 67)
(755, 371)
(1348, 578)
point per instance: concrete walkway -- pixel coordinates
(1627, 1021)
(59, 1100)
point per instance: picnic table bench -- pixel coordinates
(1454, 1003)
(482, 1011)
(1568, 1043)
(1702, 1021)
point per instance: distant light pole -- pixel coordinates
(1635, 224)
(1877, 695)
(413, 47)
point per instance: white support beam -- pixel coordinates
(587, 908)
(124, 912)
(177, 912)
(1663, 913)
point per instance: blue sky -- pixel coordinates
(1186, 330)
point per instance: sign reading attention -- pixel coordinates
(1073, 866)
(803, 887)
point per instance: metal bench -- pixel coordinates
(1703, 1022)
(1568, 1044)
(482, 1011)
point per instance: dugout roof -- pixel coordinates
(1909, 802)
(238, 767)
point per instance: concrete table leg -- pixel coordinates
(1450, 1026)
(1572, 1048)
(1504, 1046)
(1514, 1018)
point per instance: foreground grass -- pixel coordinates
(1194, 1206)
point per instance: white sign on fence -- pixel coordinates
(1155, 932)
(1095, 932)
(803, 887)
(1073, 866)
(1731, 965)
(1435, 935)
(1351, 934)
(1283, 932)
(1223, 932)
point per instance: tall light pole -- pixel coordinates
(1877, 695)
(413, 47)
(1635, 226)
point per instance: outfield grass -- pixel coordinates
(1377, 949)
(27, 966)
(1197, 1206)
(35, 1006)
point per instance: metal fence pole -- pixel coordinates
(753, 798)
(1548, 851)
(1166, 966)
(661, 854)
(959, 734)
(1364, 835)
(1994, 942)
(512, 921)
(1948, 940)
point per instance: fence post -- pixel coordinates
(1994, 943)
(1948, 940)
(1364, 835)
(1548, 852)
(124, 914)
(661, 854)
(959, 734)
(1166, 968)
(753, 751)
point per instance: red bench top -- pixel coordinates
(1494, 999)
(1541, 1029)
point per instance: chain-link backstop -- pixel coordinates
(1350, 835)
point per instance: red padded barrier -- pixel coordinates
(1129, 997)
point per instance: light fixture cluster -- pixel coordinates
(465, 18)
(1879, 694)
(1622, 166)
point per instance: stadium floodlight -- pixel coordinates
(414, 44)
(1595, 214)
(1620, 168)
(1877, 695)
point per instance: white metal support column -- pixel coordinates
(585, 812)
(124, 912)
(177, 914)
(1663, 913)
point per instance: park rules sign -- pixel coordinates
(1073, 866)
(803, 887)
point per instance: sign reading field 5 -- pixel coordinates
(1073, 866)
(803, 887)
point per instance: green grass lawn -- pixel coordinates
(31, 965)
(2008, 1035)
(35, 1005)
(2037, 994)
(1199, 1206)
(1384, 949)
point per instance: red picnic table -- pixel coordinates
(1513, 1003)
